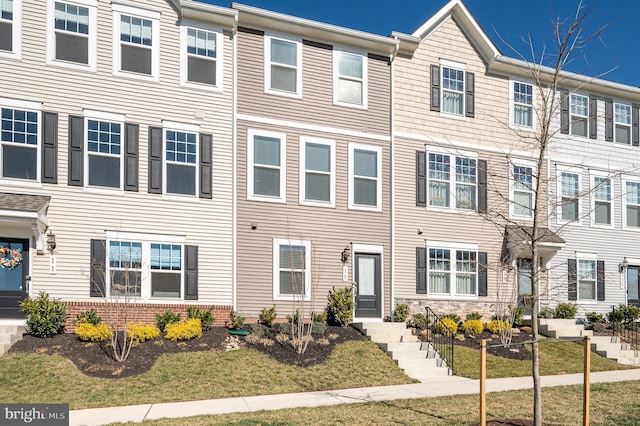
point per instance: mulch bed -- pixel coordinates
(517, 350)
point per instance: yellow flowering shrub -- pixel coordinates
(141, 332)
(184, 330)
(88, 332)
(446, 326)
(495, 326)
(472, 327)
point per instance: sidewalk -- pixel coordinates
(444, 386)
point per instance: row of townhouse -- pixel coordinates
(237, 158)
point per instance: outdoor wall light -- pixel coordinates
(623, 265)
(51, 242)
(345, 255)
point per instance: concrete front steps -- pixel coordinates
(10, 334)
(559, 328)
(418, 359)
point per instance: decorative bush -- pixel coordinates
(259, 330)
(496, 326)
(630, 312)
(90, 316)
(45, 317)
(88, 332)
(321, 317)
(472, 327)
(419, 321)
(236, 321)
(518, 313)
(184, 330)
(167, 318)
(546, 313)
(293, 319)
(206, 317)
(285, 328)
(268, 316)
(473, 316)
(616, 316)
(565, 311)
(318, 328)
(454, 317)
(594, 318)
(401, 312)
(340, 306)
(446, 326)
(142, 332)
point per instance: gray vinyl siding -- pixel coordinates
(78, 214)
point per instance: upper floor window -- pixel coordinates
(136, 41)
(452, 90)
(453, 272)
(202, 61)
(72, 39)
(181, 162)
(19, 143)
(104, 153)
(350, 79)
(365, 180)
(444, 184)
(266, 166)
(522, 104)
(291, 269)
(622, 119)
(632, 204)
(570, 196)
(522, 191)
(579, 117)
(317, 172)
(602, 196)
(10, 22)
(283, 62)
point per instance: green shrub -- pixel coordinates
(616, 316)
(236, 321)
(142, 332)
(167, 318)
(259, 330)
(45, 317)
(496, 326)
(268, 316)
(88, 332)
(401, 313)
(446, 326)
(565, 311)
(340, 306)
(472, 327)
(518, 313)
(318, 328)
(206, 317)
(418, 320)
(630, 312)
(546, 313)
(473, 316)
(285, 328)
(594, 318)
(90, 316)
(321, 317)
(453, 317)
(184, 330)
(293, 319)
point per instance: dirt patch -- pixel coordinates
(518, 349)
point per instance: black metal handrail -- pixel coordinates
(628, 330)
(441, 343)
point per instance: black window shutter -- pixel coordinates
(593, 118)
(76, 151)
(421, 179)
(482, 186)
(49, 147)
(608, 120)
(155, 160)
(470, 95)
(435, 88)
(131, 132)
(635, 135)
(421, 270)
(97, 267)
(205, 166)
(572, 279)
(483, 287)
(191, 272)
(600, 280)
(564, 112)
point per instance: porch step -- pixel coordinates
(386, 332)
(612, 348)
(559, 328)
(10, 334)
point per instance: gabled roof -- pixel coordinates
(217, 15)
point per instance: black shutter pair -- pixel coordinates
(565, 114)
(422, 267)
(155, 163)
(97, 285)
(421, 182)
(76, 153)
(573, 280)
(608, 120)
(469, 87)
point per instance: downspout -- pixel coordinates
(392, 178)
(234, 131)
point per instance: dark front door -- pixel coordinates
(13, 282)
(525, 286)
(368, 285)
(633, 285)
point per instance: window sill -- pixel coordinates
(452, 116)
(529, 129)
(104, 191)
(20, 183)
(202, 86)
(144, 77)
(631, 228)
(451, 210)
(181, 198)
(602, 226)
(291, 298)
(318, 204)
(363, 107)
(267, 199)
(366, 208)
(283, 94)
(576, 222)
(10, 55)
(73, 65)
(435, 296)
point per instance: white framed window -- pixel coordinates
(453, 87)
(569, 187)
(136, 42)
(587, 279)
(622, 123)
(522, 195)
(317, 172)
(104, 136)
(579, 115)
(291, 269)
(522, 104)
(71, 38)
(349, 79)
(631, 204)
(181, 158)
(365, 177)
(283, 66)
(452, 181)
(202, 53)
(266, 166)
(10, 28)
(20, 140)
(602, 205)
(452, 270)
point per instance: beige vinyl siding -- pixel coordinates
(78, 214)
(316, 105)
(330, 230)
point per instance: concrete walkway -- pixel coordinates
(443, 386)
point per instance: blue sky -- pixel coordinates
(618, 48)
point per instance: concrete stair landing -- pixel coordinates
(9, 334)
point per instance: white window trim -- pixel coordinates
(112, 118)
(623, 192)
(364, 80)
(461, 67)
(572, 170)
(378, 151)
(186, 24)
(154, 17)
(594, 174)
(16, 32)
(251, 133)
(591, 257)
(32, 107)
(184, 128)
(267, 66)
(303, 169)
(453, 154)
(277, 242)
(452, 247)
(581, 116)
(512, 105)
(92, 5)
(629, 126)
(512, 183)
